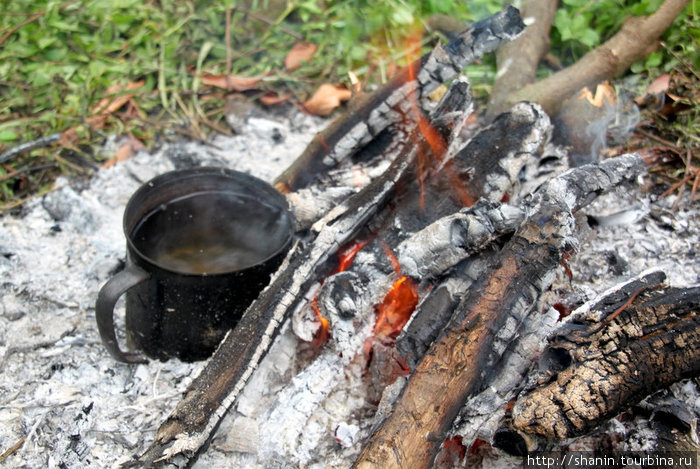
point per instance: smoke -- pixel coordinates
(587, 123)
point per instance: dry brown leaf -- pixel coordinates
(101, 112)
(675, 97)
(657, 87)
(129, 146)
(301, 52)
(326, 98)
(113, 103)
(68, 138)
(231, 82)
(270, 99)
(660, 84)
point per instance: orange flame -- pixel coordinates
(347, 254)
(432, 137)
(398, 304)
(396, 308)
(322, 333)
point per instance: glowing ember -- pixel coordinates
(347, 255)
(479, 446)
(452, 454)
(322, 333)
(396, 308)
(392, 257)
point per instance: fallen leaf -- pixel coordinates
(657, 88)
(301, 52)
(675, 97)
(101, 112)
(129, 146)
(660, 84)
(113, 103)
(68, 138)
(326, 98)
(270, 99)
(231, 82)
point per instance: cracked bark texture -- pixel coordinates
(392, 103)
(488, 319)
(637, 339)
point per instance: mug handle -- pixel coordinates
(104, 310)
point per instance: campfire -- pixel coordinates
(419, 296)
(442, 305)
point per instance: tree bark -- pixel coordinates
(517, 60)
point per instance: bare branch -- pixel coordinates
(638, 38)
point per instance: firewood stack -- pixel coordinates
(428, 272)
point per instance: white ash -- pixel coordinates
(441, 245)
(661, 238)
(60, 390)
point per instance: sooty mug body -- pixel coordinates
(201, 245)
(186, 316)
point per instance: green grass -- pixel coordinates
(59, 58)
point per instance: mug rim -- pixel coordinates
(268, 195)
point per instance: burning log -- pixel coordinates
(392, 103)
(426, 181)
(488, 318)
(190, 426)
(312, 202)
(610, 354)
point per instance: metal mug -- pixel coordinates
(201, 245)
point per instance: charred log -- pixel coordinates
(310, 203)
(635, 340)
(440, 246)
(392, 103)
(488, 318)
(436, 249)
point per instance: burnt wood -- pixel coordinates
(390, 201)
(637, 339)
(190, 426)
(311, 202)
(487, 318)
